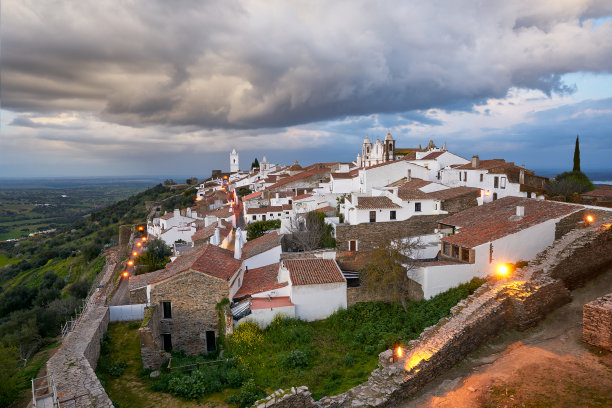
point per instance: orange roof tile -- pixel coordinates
(261, 244)
(375, 203)
(264, 210)
(270, 303)
(209, 259)
(494, 220)
(313, 271)
(260, 280)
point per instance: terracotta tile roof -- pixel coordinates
(209, 259)
(493, 164)
(453, 192)
(375, 203)
(204, 232)
(497, 219)
(342, 175)
(252, 195)
(432, 156)
(287, 207)
(601, 191)
(143, 280)
(260, 280)
(167, 216)
(264, 210)
(261, 244)
(301, 197)
(300, 176)
(409, 190)
(325, 209)
(270, 303)
(221, 212)
(313, 271)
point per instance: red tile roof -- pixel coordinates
(270, 303)
(313, 271)
(261, 244)
(453, 192)
(325, 209)
(209, 259)
(204, 233)
(342, 175)
(432, 156)
(301, 197)
(167, 216)
(140, 281)
(287, 207)
(601, 191)
(260, 280)
(299, 176)
(252, 195)
(497, 219)
(264, 210)
(375, 203)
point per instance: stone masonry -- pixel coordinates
(498, 305)
(193, 297)
(597, 322)
(151, 346)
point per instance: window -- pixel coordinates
(446, 248)
(392, 215)
(496, 182)
(353, 245)
(465, 176)
(465, 255)
(211, 344)
(254, 217)
(263, 217)
(166, 310)
(435, 206)
(417, 207)
(459, 176)
(491, 252)
(494, 196)
(455, 251)
(481, 177)
(287, 212)
(279, 214)
(167, 340)
(372, 216)
(290, 201)
(503, 182)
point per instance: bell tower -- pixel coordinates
(234, 165)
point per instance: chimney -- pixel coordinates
(238, 244)
(177, 212)
(522, 175)
(219, 223)
(409, 175)
(354, 199)
(276, 196)
(520, 211)
(475, 161)
(217, 237)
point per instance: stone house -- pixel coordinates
(183, 297)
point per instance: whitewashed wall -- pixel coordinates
(265, 258)
(314, 302)
(126, 313)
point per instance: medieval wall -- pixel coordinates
(460, 203)
(597, 322)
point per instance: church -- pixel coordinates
(382, 152)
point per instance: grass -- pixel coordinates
(341, 350)
(133, 387)
(5, 260)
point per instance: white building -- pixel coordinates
(234, 164)
(262, 251)
(475, 241)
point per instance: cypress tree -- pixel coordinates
(577, 156)
(255, 164)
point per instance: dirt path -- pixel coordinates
(547, 366)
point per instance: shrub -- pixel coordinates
(79, 289)
(293, 359)
(258, 228)
(248, 394)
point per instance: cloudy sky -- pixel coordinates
(162, 87)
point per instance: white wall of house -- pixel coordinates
(175, 233)
(438, 279)
(354, 215)
(263, 317)
(471, 178)
(341, 185)
(389, 173)
(265, 258)
(314, 302)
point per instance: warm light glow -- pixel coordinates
(138, 244)
(125, 274)
(130, 263)
(144, 239)
(224, 177)
(416, 358)
(135, 253)
(198, 198)
(488, 193)
(141, 228)
(590, 218)
(398, 351)
(503, 270)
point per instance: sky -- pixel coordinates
(156, 87)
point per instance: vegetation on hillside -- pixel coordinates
(329, 356)
(44, 279)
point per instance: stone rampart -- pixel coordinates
(292, 398)
(597, 322)
(520, 303)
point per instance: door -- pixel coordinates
(210, 341)
(167, 339)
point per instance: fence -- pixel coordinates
(44, 393)
(126, 313)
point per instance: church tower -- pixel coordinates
(366, 150)
(389, 147)
(234, 166)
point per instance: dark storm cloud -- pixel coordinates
(249, 65)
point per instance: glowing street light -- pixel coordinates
(138, 244)
(144, 239)
(130, 262)
(141, 228)
(125, 274)
(135, 253)
(504, 270)
(589, 219)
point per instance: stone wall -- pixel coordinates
(151, 347)
(371, 234)
(498, 305)
(193, 297)
(569, 223)
(360, 294)
(293, 398)
(597, 322)
(460, 203)
(138, 296)
(353, 261)
(125, 233)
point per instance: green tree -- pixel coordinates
(387, 273)
(156, 257)
(577, 156)
(258, 228)
(9, 365)
(255, 164)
